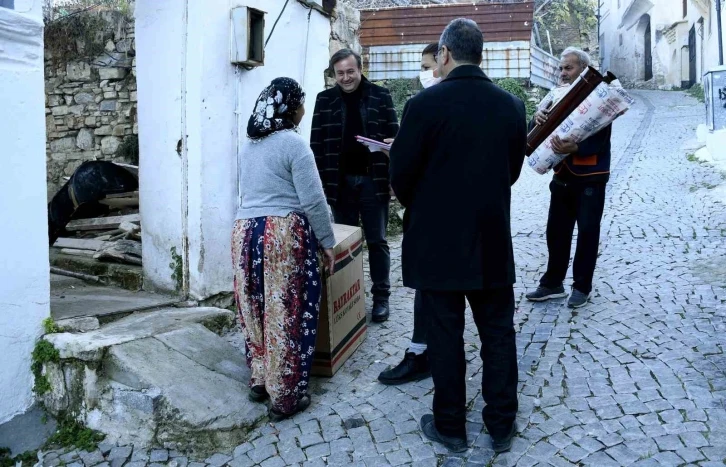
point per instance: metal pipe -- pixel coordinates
(549, 41)
(720, 37)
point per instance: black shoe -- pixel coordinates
(577, 299)
(546, 293)
(504, 444)
(451, 443)
(258, 394)
(412, 368)
(277, 416)
(380, 311)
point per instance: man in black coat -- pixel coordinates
(460, 148)
(356, 180)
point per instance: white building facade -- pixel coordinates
(193, 110)
(24, 271)
(662, 44)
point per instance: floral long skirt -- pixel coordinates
(277, 284)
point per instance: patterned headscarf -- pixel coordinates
(275, 108)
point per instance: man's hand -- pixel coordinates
(387, 141)
(540, 117)
(563, 146)
(329, 260)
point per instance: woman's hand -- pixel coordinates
(329, 260)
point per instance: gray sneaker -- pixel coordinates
(545, 293)
(577, 299)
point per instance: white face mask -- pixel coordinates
(427, 79)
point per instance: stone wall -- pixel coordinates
(91, 101)
(344, 33)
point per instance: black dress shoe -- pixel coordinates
(380, 312)
(412, 368)
(504, 444)
(452, 443)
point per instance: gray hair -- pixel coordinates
(581, 55)
(465, 41)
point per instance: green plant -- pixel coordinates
(71, 433)
(514, 87)
(177, 269)
(691, 157)
(43, 353)
(49, 326)
(27, 458)
(696, 91)
(128, 150)
(401, 91)
(395, 223)
(74, 37)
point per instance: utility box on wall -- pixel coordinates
(714, 90)
(248, 37)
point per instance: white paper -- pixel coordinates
(606, 103)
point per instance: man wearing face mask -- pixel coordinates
(415, 364)
(459, 150)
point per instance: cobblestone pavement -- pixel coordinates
(635, 378)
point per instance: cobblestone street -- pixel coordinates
(637, 377)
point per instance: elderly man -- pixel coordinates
(578, 196)
(355, 179)
(459, 150)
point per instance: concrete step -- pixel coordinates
(160, 378)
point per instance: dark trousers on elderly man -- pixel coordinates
(359, 204)
(493, 311)
(573, 202)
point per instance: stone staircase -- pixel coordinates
(161, 378)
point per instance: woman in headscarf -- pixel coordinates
(282, 224)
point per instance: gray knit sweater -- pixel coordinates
(278, 175)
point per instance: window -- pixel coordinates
(621, 40)
(7, 4)
(685, 8)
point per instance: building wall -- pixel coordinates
(623, 42)
(193, 110)
(91, 103)
(24, 277)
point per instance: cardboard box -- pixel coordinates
(342, 320)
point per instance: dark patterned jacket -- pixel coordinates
(326, 135)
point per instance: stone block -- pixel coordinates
(109, 145)
(119, 130)
(108, 106)
(110, 46)
(133, 96)
(63, 145)
(113, 73)
(78, 71)
(125, 45)
(90, 121)
(110, 95)
(68, 99)
(105, 130)
(85, 139)
(143, 401)
(84, 98)
(76, 109)
(60, 110)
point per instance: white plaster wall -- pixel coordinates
(24, 277)
(159, 72)
(197, 88)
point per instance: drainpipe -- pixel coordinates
(720, 37)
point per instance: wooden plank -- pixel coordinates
(102, 223)
(120, 202)
(75, 252)
(126, 251)
(79, 243)
(128, 194)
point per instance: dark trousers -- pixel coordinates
(421, 320)
(573, 202)
(493, 312)
(358, 203)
